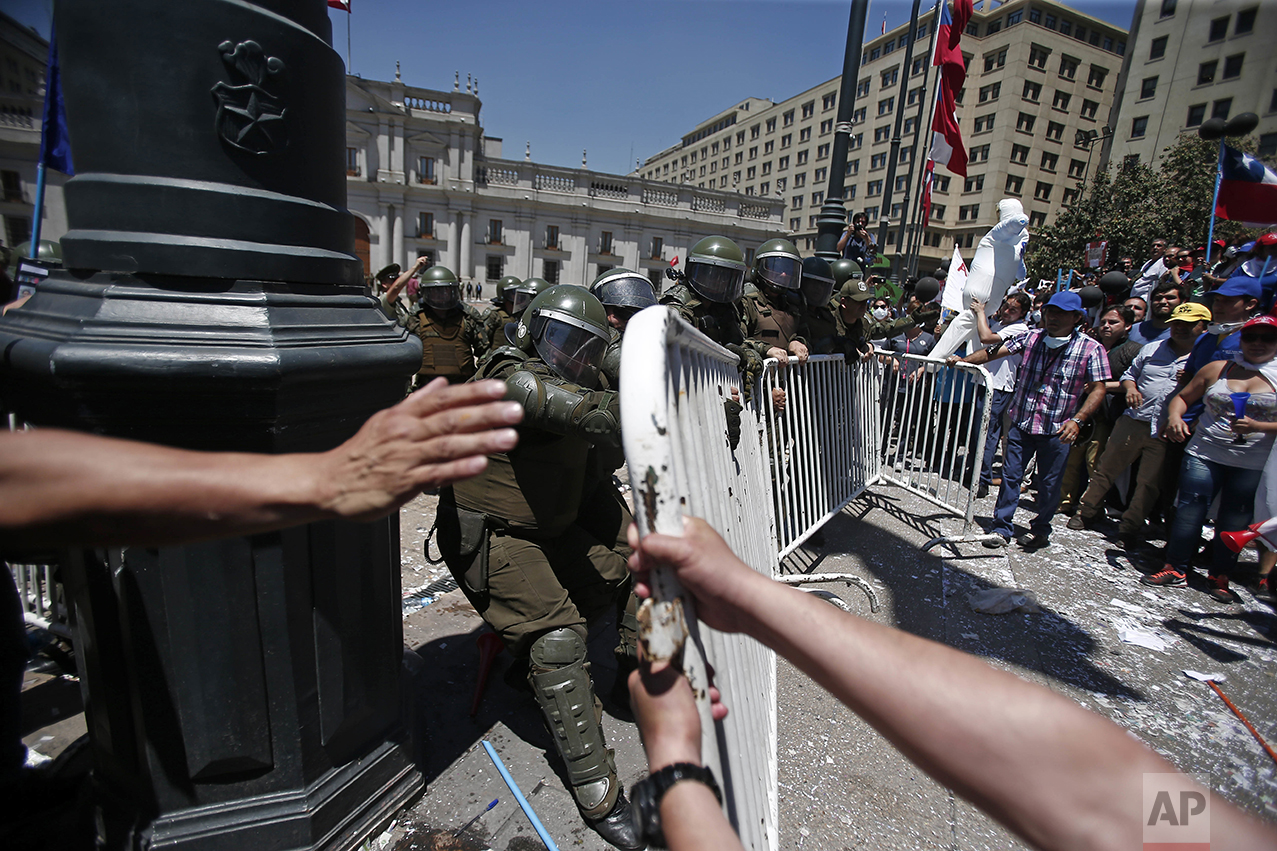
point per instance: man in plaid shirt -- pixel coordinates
(1060, 387)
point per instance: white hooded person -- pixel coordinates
(998, 265)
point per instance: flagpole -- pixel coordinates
(347, 41)
(915, 233)
(1219, 177)
(934, 75)
(34, 252)
(884, 217)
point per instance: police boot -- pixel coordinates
(563, 690)
(626, 652)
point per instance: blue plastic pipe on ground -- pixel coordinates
(518, 796)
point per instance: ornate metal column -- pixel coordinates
(243, 693)
(833, 214)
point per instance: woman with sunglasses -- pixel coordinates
(1227, 453)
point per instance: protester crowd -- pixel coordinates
(1147, 391)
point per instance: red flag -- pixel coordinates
(884, 23)
(950, 32)
(928, 178)
(674, 262)
(946, 139)
(344, 5)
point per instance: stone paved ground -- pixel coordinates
(843, 786)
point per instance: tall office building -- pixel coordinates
(1041, 78)
(1190, 62)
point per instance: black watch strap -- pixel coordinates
(646, 795)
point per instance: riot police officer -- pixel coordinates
(818, 291)
(511, 538)
(707, 295)
(623, 293)
(494, 321)
(774, 321)
(451, 331)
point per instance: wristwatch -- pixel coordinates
(646, 795)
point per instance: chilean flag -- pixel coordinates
(343, 5)
(928, 179)
(946, 139)
(1247, 190)
(948, 51)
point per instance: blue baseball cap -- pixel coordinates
(1070, 301)
(1243, 285)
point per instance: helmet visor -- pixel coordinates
(519, 300)
(817, 291)
(780, 270)
(573, 351)
(723, 284)
(441, 297)
(628, 291)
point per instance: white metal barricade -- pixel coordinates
(935, 421)
(675, 384)
(43, 599)
(824, 443)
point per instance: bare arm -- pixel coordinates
(1176, 428)
(66, 488)
(983, 356)
(987, 335)
(393, 291)
(1057, 775)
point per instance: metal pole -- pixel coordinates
(912, 199)
(833, 214)
(932, 73)
(34, 252)
(884, 214)
(1219, 176)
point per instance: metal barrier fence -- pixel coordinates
(43, 599)
(935, 422)
(675, 424)
(824, 444)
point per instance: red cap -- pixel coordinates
(1265, 321)
(1269, 238)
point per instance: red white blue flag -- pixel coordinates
(1247, 190)
(947, 148)
(949, 34)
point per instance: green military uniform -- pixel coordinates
(512, 539)
(821, 307)
(450, 330)
(494, 321)
(773, 315)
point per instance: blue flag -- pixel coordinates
(55, 144)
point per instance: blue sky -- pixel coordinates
(619, 78)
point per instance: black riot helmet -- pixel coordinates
(568, 329)
(817, 281)
(777, 264)
(715, 269)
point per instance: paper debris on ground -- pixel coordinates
(1143, 638)
(1000, 601)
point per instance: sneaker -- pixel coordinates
(982, 491)
(997, 543)
(1220, 592)
(1077, 522)
(1033, 541)
(1167, 577)
(1263, 588)
(1131, 542)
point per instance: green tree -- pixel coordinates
(1131, 205)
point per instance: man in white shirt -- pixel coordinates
(1150, 380)
(1151, 272)
(1007, 323)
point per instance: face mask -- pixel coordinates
(880, 313)
(1054, 342)
(1036, 317)
(1223, 327)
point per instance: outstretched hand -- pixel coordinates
(436, 436)
(706, 567)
